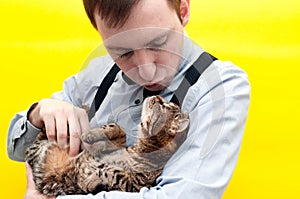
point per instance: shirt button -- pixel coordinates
(137, 101)
(22, 126)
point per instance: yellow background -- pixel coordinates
(43, 42)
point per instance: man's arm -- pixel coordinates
(61, 109)
(77, 89)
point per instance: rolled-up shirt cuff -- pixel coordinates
(21, 136)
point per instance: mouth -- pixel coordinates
(153, 87)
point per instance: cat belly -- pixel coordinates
(57, 159)
(54, 171)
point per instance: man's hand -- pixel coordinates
(63, 122)
(31, 192)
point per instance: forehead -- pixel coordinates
(136, 38)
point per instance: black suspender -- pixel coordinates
(102, 90)
(190, 78)
(104, 86)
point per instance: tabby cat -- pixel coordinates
(107, 163)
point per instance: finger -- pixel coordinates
(75, 132)
(29, 177)
(61, 131)
(85, 127)
(50, 128)
(84, 122)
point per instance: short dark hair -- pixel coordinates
(116, 12)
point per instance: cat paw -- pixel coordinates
(91, 136)
(113, 131)
(115, 134)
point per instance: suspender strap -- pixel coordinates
(102, 90)
(191, 76)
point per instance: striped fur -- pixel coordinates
(107, 163)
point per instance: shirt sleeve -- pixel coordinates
(203, 165)
(22, 133)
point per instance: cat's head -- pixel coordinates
(160, 115)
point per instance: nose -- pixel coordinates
(145, 61)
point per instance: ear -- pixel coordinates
(185, 11)
(183, 125)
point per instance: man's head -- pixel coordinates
(144, 37)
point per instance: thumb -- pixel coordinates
(29, 177)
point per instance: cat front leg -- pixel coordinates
(103, 140)
(112, 132)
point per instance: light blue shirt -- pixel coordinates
(217, 105)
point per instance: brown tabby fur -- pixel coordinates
(107, 163)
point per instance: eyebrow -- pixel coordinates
(112, 48)
(117, 48)
(166, 33)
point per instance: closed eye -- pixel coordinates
(126, 55)
(158, 43)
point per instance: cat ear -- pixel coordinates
(183, 125)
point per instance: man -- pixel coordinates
(146, 40)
